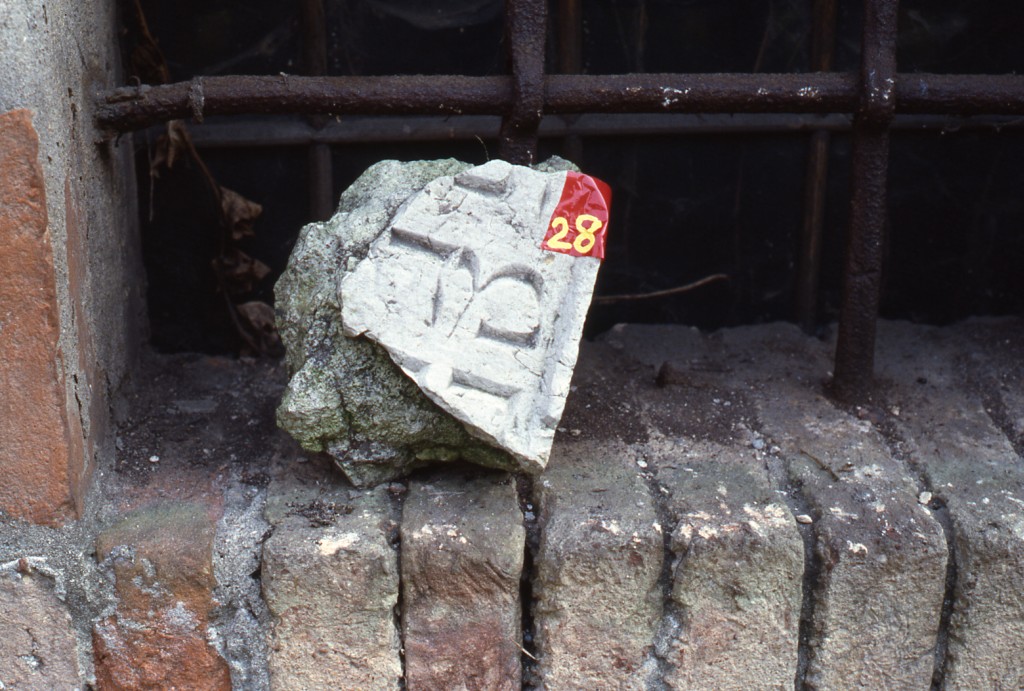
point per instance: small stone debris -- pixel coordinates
(804, 518)
(924, 498)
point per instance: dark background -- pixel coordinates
(684, 206)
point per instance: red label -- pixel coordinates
(580, 221)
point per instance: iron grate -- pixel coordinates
(877, 98)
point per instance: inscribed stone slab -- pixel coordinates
(459, 292)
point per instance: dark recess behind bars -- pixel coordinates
(685, 206)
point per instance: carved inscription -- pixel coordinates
(461, 295)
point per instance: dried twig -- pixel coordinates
(611, 299)
(525, 651)
(235, 271)
(821, 464)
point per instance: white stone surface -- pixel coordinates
(459, 293)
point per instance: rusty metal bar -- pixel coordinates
(809, 262)
(525, 26)
(862, 273)
(960, 94)
(286, 131)
(823, 41)
(702, 93)
(570, 36)
(570, 61)
(318, 158)
(321, 181)
(130, 108)
(314, 37)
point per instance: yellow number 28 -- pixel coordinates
(586, 227)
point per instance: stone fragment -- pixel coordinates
(38, 649)
(330, 581)
(347, 397)
(737, 579)
(948, 397)
(462, 558)
(460, 293)
(597, 598)
(161, 559)
(43, 469)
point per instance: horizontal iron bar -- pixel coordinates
(131, 108)
(424, 128)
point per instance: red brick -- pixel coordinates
(598, 601)
(162, 560)
(40, 455)
(463, 543)
(38, 649)
(331, 589)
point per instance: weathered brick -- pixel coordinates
(40, 454)
(598, 601)
(976, 473)
(330, 581)
(462, 557)
(882, 556)
(38, 649)
(737, 580)
(879, 573)
(161, 557)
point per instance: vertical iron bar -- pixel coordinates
(318, 158)
(570, 36)
(321, 181)
(815, 186)
(862, 273)
(570, 61)
(823, 41)
(314, 37)
(525, 30)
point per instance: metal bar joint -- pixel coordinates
(525, 26)
(878, 64)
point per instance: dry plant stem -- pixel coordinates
(526, 652)
(149, 50)
(215, 191)
(612, 299)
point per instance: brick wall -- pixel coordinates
(731, 528)
(71, 290)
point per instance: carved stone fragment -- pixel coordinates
(460, 293)
(424, 322)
